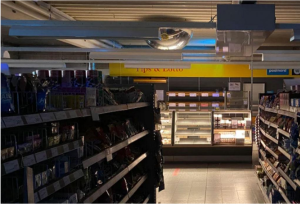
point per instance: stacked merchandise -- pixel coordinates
(280, 158)
(283, 101)
(25, 147)
(159, 177)
(74, 159)
(61, 90)
(257, 135)
(159, 161)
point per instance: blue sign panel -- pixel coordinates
(277, 72)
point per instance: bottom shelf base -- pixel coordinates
(263, 190)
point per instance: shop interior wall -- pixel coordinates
(211, 84)
(202, 84)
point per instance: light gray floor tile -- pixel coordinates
(178, 201)
(196, 201)
(210, 183)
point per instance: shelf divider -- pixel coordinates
(283, 132)
(102, 155)
(147, 199)
(287, 178)
(99, 191)
(134, 189)
(61, 183)
(284, 153)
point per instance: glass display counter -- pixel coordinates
(192, 127)
(196, 128)
(232, 127)
(166, 127)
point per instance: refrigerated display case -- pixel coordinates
(226, 127)
(193, 127)
(232, 127)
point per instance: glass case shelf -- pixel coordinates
(232, 127)
(226, 127)
(166, 127)
(192, 127)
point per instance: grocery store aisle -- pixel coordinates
(210, 183)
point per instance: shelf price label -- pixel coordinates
(41, 156)
(172, 104)
(36, 197)
(29, 160)
(181, 104)
(193, 94)
(215, 104)
(66, 180)
(86, 112)
(172, 94)
(2, 124)
(181, 94)
(47, 117)
(72, 113)
(193, 105)
(78, 113)
(13, 121)
(204, 94)
(11, 166)
(216, 95)
(108, 155)
(33, 119)
(43, 193)
(61, 115)
(56, 186)
(76, 144)
(204, 104)
(66, 147)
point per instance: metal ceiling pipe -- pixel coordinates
(100, 44)
(110, 50)
(55, 10)
(112, 43)
(37, 8)
(26, 11)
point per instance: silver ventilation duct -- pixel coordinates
(171, 39)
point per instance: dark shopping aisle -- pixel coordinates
(210, 183)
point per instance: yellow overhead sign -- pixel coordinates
(196, 70)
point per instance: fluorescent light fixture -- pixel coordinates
(276, 65)
(160, 65)
(150, 80)
(136, 55)
(281, 57)
(36, 65)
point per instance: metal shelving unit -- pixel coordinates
(27, 163)
(134, 189)
(109, 151)
(283, 152)
(98, 192)
(31, 119)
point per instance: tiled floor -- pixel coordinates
(210, 183)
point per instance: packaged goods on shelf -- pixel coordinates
(280, 136)
(68, 156)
